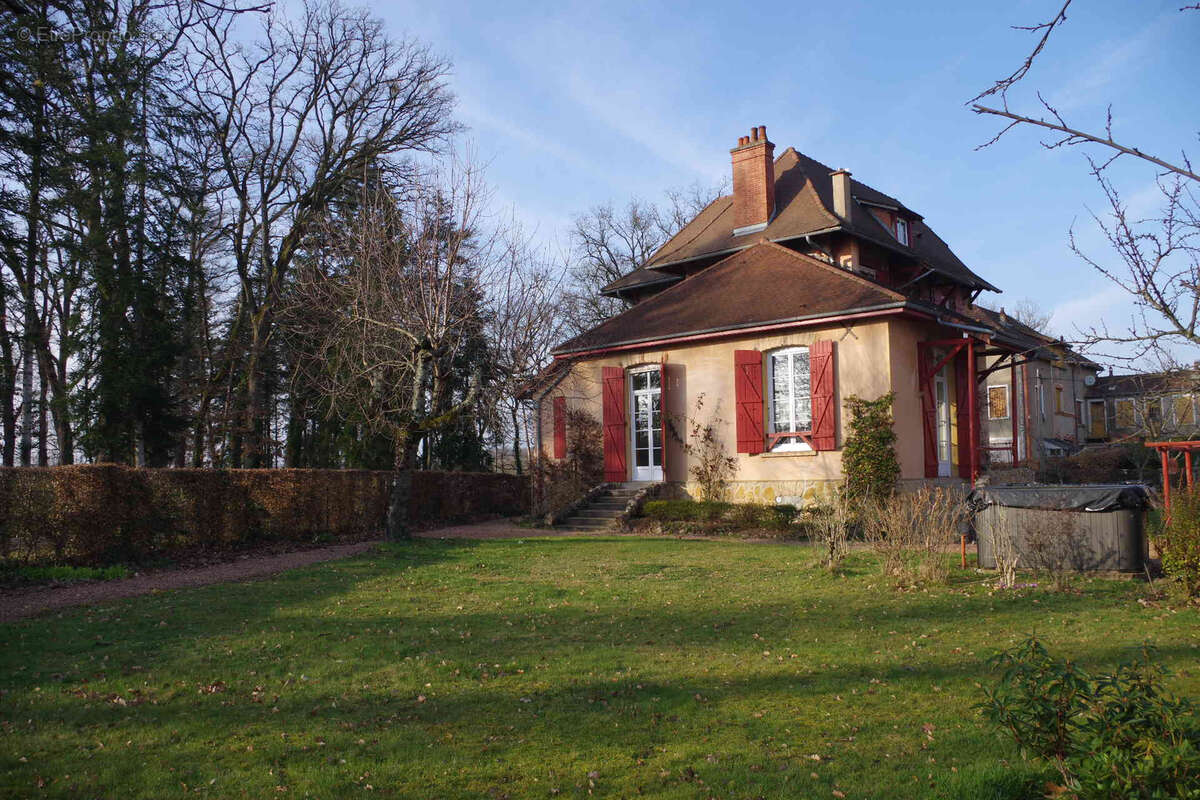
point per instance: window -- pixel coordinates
(1184, 413)
(790, 395)
(1078, 411)
(1059, 400)
(1124, 413)
(1154, 407)
(997, 402)
(902, 231)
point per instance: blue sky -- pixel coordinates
(576, 104)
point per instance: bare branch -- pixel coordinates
(1075, 136)
(1002, 86)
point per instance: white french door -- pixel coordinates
(645, 404)
(944, 446)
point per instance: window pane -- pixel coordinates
(1124, 413)
(652, 379)
(781, 380)
(1183, 410)
(643, 458)
(997, 402)
(801, 392)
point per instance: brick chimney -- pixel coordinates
(841, 193)
(753, 182)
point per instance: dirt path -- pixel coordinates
(27, 602)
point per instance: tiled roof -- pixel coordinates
(1147, 383)
(765, 283)
(804, 203)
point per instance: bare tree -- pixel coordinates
(298, 117)
(390, 296)
(527, 321)
(607, 242)
(1029, 312)
(1154, 258)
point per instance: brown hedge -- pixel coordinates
(105, 513)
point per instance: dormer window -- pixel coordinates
(902, 231)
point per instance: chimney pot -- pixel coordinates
(753, 181)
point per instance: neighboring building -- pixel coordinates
(1147, 406)
(775, 304)
(1035, 400)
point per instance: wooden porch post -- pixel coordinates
(972, 412)
(1166, 478)
(1187, 460)
(1012, 411)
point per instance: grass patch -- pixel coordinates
(549, 667)
(17, 574)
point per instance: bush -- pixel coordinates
(711, 466)
(88, 515)
(1178, 539)
(722, 517)
(566, 480)
(1110, 736)
(831, 526)
(911, 530)
(1106, 464)
(869, 459)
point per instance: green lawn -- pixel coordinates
(614, 668)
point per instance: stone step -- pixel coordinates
(580, 522)
(619, 505)
(598, 513)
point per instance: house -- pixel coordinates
(1035, 406)
(774, 304)
(1151, 405)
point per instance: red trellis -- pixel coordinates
(1165, 449)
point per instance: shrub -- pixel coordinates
(831, 525)
(710, 465)
(1178, 539)
(1056, 551)
(722, 517)
(1104, 464)
(910, 531)
(684, 510)
(1109, 736)
(565, 481)
(869, 458)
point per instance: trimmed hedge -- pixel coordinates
(105, 513)
(735, 516)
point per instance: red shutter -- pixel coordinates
(823, 389)
(560, 427)
(928, 410)
(614, 424)
(748, 391)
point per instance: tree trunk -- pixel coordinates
(516, 439)
(43, 424)
(396, 527)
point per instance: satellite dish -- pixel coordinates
(1089, 380)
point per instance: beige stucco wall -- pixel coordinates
(865, 364)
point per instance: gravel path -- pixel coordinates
(27, 602)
